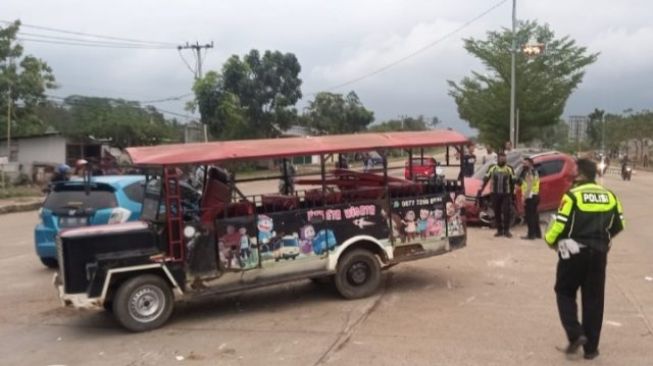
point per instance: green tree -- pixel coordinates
(331, 113)
(124, 123)
(555, 136)
(630, 128)
(220, 109)
(24, 80)
(594, 127)
(251, 97)
(420, 123)
(543, 84)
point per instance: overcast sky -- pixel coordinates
(337, 41)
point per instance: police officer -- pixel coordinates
(502, 176)
(530, 189)
(588, 218)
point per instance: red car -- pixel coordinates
(557, 171)
(421, 168)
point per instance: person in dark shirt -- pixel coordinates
(467, 163)
(502, 176)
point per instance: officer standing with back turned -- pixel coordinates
(588, 218)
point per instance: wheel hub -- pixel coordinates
(358, 273)
(146, 303)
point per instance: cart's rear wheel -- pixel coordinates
(358, 274)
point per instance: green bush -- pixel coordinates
(19, 191)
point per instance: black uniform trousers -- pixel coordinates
(532, 217)
(585, 270)
(502, 206)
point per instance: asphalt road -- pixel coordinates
(491, 303)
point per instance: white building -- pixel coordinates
(38, 155)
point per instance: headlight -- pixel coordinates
(119, 215)
(189, 231)
(439, 171)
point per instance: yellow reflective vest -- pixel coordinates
(502, 177)
(589, 214)
(530, 184)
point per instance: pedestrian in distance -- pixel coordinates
(507, 147)
(489, 156)
(588, 218)
(287, 181)
(61, 174)
(467, 162)
(530, 189)
(502, 176)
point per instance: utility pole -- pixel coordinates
(9, 122)
(9, 105)
(197, 48)
(516, 129)
(603, 134)
(512, 74)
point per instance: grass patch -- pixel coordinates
(20, 192)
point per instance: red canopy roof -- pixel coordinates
(220, 151)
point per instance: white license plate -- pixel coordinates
(72, 221)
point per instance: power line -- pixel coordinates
(131, 40)
(190, 68)
(135, 47)
(417, 52)
(80, 40)
(169, 99)
(63, 102)
(175, 113)
(152, 101)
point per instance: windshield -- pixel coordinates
(514, 160)
(151, 201)
(418, 162)
(75, 197)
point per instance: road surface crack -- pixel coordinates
(350, 328)
(635, 303)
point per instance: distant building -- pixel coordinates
(578, 128)
(297, 131)
(38, 155)
(194, 132)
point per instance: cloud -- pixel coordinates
(379, 50)
(623, 51)
(338, 40)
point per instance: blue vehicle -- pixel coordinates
(105, 200)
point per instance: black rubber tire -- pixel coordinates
(108, 306)
(358, 274)
(323, 281)
(49, 262)
(128, 294)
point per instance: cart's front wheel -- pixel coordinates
(49, 262)
(358, 274)
(143, 303)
